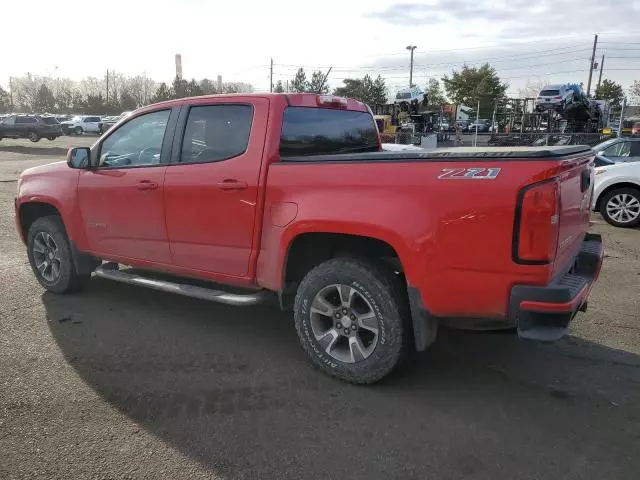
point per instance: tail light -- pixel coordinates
(558, 98)
(332, 101)
(537, 223)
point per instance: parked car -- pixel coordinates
(213, 188)
(482, 124)
(635, 130)
(554, 96)
(108, 122)
(617, 193)
(625, 149)
(33, 127)
(82, 124)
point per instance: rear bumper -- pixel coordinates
(544, 313)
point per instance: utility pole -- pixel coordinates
(271, 76)
(600, 77)
(11, 92)
(411, 48)
(107, 100)
(593, 59)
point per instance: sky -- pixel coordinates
(538, 41)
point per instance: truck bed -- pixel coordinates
(452, 153)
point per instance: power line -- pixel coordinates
(519, 56)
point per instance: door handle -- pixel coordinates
(146, 185)
(232, 184)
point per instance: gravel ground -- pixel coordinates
(121, 382)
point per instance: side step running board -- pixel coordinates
(111, 272)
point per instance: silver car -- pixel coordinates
(554, 96)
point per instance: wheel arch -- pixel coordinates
(29, 212)
(309, 249)
(614, 186)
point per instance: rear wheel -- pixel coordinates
(77, 130)
(33, 136)
(621, 207)
(50, 256)
(349, 318)
(51, 137)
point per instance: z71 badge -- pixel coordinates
(469, 173)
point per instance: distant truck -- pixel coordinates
(290, 196)
(410, 95)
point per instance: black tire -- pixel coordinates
(78, 130)
(51, 137)
(632, 193)
(383, 291)
(33, 136)
(68, 280)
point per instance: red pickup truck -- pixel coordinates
(291, 194)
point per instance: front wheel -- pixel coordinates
(349, 318)
(78, 130)
(51, 137)
(50, 256)
(621, 207)
(34, 137)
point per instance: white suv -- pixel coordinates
(81, 124)
(554, 96)
(616, 193)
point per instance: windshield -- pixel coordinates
(604, 145)
(77, 118)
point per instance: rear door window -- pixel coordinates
(216, 132)
(322, 131)
(50, 120)
(25, 119)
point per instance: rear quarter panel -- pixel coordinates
(453, 236)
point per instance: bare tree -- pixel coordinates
(634, 92)
(25, 91)
(532, 88)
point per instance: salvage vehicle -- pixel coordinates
(555, 96)
(290, 196)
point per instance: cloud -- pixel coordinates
(411, 14)
(514, 17)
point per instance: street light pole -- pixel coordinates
(411, 48)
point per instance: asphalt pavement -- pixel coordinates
(120, 382)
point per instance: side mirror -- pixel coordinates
(78, 157)
(600, 153)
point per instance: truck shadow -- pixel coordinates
(33, 150)
(231, 388)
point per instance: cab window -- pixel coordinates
(136, 143)
(216, 132)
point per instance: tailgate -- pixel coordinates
(576, 189)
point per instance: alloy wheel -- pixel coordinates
(46, 256)
(344, 323)
(623, 208)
